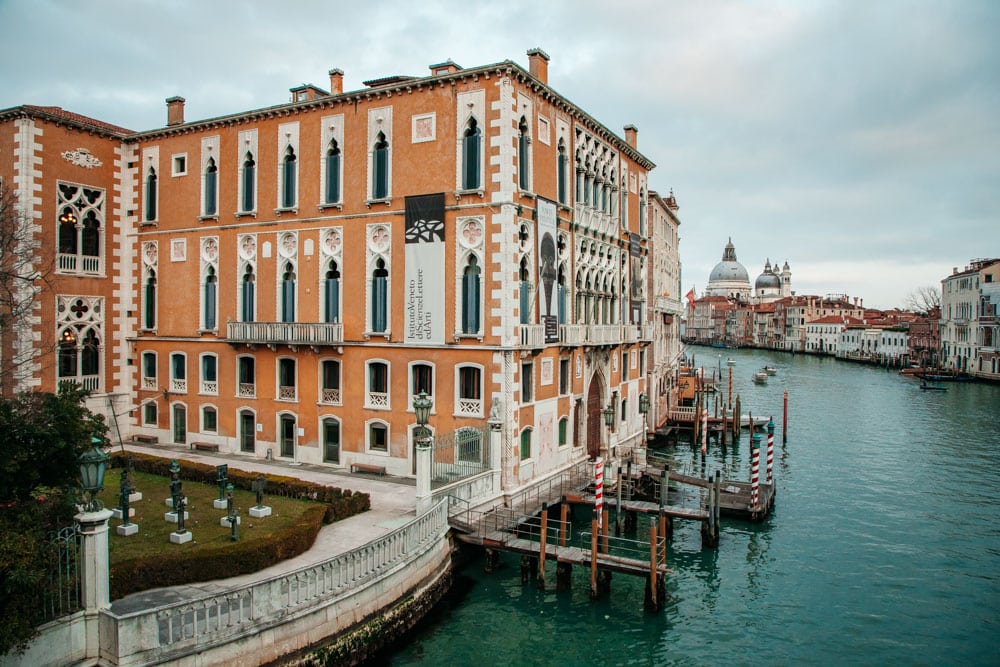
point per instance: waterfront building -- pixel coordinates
(281, 282)
(66, 179)
(959, 325)
(987, 364)
(764, 326)
(924, 339)
(823, 334)
(706, 321)
(665, 308)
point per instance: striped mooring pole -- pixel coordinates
(755, 473)
(770, 450)
(704, 431)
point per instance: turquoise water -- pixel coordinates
(884, 546)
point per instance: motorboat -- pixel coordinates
(730, 361)
(760, 377)
(770, 370)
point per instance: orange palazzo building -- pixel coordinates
(282, 282)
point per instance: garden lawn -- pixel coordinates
(208, 535)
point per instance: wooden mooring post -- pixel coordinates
(563, 520)
(541, 545)
(594, 527)
(651, 602)
(784, 419)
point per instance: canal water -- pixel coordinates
(884, 546)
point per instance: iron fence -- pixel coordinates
(460, 454)
(60, 594)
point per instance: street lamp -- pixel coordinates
(93, 464)
(643, 403)
(609, 415)
(422, 410)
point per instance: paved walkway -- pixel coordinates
(393, 500)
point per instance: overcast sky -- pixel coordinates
(859, 141)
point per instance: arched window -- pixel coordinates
(288, 179)
(209, 374)
(642, 212)
(525, 444)
(67, 354)
(380, 167)
(522, 154)
(330, 370)
(151, 194)
(332, 185)
(562, 167)
(211, 188)
(247, 295)
(561, 296)
(247, 377)
(331, 293)
(286, 380)
(470, 155)
(288, 294)
(67, 232)
(210, 299)
(469, 400)
(90, 245)
(470, 296)
(249, 182)
(525, 291)
(563, 430)
(422, 379)
(149, 302)
(380, 295)
(378, 385)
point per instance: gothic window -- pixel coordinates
(523, 161)
(288, 294)
(248, 182)
(332, 185)
(380, 167)
(380, 293)
(79, 334)
(210, 304)
(331, 293)
(81, 217)
(149, 301)
(562, 166)
(150, 195)
(211, 188)
(471, 288)
(288, 179)
(470, 155)
(525, 291)
(247, 287)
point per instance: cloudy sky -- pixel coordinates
(858, 140)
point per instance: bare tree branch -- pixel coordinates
(923, 299)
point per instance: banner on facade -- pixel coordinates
(548, 270)
(425, 270)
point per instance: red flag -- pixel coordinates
(690, 296)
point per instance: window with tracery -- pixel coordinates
(81, 228)
(80, 322)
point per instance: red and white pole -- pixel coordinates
(704, 431)
(755, 473)
(770, 450)
(599, 489)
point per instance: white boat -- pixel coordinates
(760, 377)
(730, 361)
(770, 370)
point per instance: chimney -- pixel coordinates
(447, 67)
(538, 65)
(336, 81)
(175, 111)
(631, 132)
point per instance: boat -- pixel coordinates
(770, 370)
(925, 386)
(760, 377)
(730, 361)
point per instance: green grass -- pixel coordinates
(203, 522)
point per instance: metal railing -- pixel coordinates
(459, 454)
(60, 594)
(532, 335)
(550, 490)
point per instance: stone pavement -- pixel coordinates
(393, 502)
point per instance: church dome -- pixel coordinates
(729, 270)
(768, 279)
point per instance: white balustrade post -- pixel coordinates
(496, 449)
(425, 455)
(95, 589)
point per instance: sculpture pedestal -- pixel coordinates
(135, 497)
(220, 504)
(169, 502)
(116, 513)
(260, 512)
(224, 522)
(181, 538)
(126, 530)
(172, 517)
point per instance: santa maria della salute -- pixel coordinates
(730, 279)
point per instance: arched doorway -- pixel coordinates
(594, 417)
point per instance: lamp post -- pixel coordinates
(93, 524)
(644, 411)
(422, 411)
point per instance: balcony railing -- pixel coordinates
(248, 390)
(377, 399)
(646, 333)
(604, 334)
(331, 397)
(179, 385)
(209, 387)
(533, 335)
(572, 334)
(469, 407)
(630, 333)
(293, 333)
(79, 263)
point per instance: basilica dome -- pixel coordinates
(768, 279)
(729, 278)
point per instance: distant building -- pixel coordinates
(729, 278)
(771, 284)
(963, 297)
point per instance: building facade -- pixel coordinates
(665, 308)
(282, 282)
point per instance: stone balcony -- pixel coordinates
(285, 333)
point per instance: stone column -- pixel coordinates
(95, 590)
(425, 456)
(496, 451)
